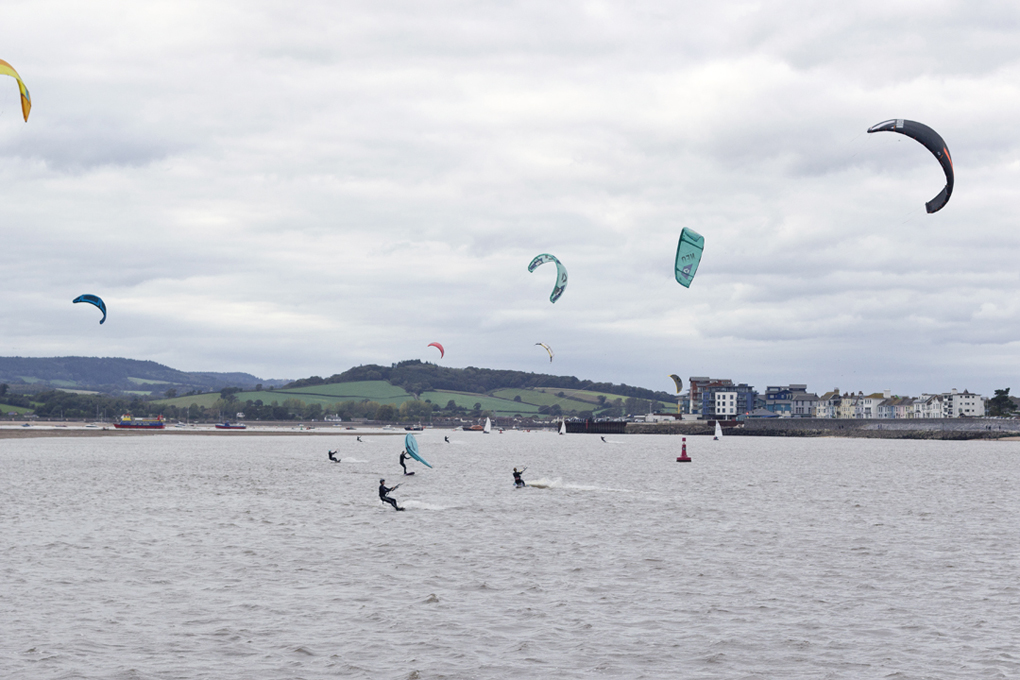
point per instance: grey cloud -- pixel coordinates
(342, 182)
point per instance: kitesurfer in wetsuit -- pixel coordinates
(604, 439)
(359, 437)
(404, 456)
(517, 477)
(447, 439)
(331, 457)
(383, 494)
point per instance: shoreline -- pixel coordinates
(936, 429)
(946, 429)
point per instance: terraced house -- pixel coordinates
(721, 398)
(952, 404)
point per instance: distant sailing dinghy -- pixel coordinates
(488, 426)
(718, 432)
(563, 427)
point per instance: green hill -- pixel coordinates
(110, 375)
(418, 377)
(548, 397)
(407, 391)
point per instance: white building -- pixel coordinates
(928, 406)
(825, 406)
(867, 406)
(726, 404)
(962, 405)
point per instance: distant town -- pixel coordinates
(722, 399)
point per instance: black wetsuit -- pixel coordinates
(447, 439)
(330, 454)
(386, 499)
(517, 478)
(403, 457)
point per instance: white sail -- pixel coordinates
(563, 427)
(488, 426)
(718, 430)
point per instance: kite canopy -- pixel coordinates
(934, 143)
(547, 349)
(678, 381)
(688, 256)
(26, 99)
(561, 274)
(442, 352)
(411, 446)
(93, 300)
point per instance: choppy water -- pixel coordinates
(214, 557)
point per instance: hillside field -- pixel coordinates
(500, 402)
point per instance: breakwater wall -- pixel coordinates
(937, 428)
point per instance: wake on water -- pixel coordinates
(558, 483)
(421, 505)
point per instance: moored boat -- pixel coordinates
(129, 423)
(231, 426)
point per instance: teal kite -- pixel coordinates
(561, 274)
(411, 445)
(688, 256)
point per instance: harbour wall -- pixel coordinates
(936, 428)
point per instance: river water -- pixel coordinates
(255, 557)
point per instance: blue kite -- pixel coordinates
(93, 300)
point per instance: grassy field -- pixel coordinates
(203, 400)
(548, 397)
(374, 390)
(500, 402)
(500, 407)
(578, 400)
(146, 381)
(20, 410)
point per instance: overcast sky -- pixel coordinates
(290, 189)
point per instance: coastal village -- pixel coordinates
(722, 399)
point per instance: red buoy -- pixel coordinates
(683, 453)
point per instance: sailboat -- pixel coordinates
(563, 427)
(718, 432)
(488, 426)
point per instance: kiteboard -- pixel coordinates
(411, 445)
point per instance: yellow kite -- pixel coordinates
(26, 99)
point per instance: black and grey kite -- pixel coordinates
(934, 143)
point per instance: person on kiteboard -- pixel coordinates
(384, 494)
(447, 438)
(404, 456)
(332, 457)
(518, 482)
